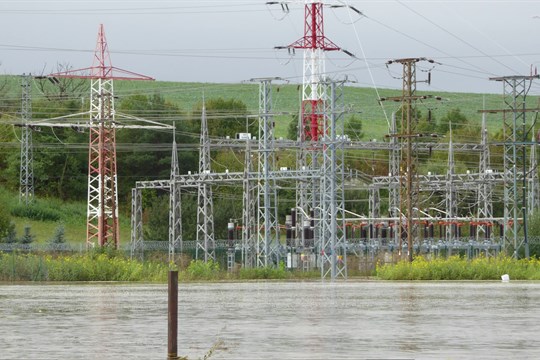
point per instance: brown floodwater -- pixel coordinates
(274, 320)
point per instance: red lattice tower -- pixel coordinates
(315, 44)
(102, 214)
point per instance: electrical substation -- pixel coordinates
(409, 213)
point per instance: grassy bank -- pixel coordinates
(116, 267)
(456, 268)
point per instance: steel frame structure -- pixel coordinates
(26, 183)
(205, 203)
(268, 226)
(516, 128)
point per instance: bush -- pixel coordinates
(200, 270)
(265, 273)
(456, 268)
(59, 235)
(11, 236)
(6, 225)
(27, 238)
(36, 211)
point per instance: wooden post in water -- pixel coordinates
(172, 345)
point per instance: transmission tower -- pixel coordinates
(102, 212)
(205, 209)
(516, 130)
(26, 189)
(314, 44)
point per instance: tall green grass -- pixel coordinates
(87, 267)
(113, 266)
(456, 268)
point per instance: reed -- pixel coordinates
(458, 268)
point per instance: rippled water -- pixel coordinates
(311, 320)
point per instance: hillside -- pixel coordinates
(286, 99)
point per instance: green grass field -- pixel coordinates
(286, 100)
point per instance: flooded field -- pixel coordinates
(275, 320)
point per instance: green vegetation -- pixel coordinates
(456, 268)
(87, 267)
(113, 266)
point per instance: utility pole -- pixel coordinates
(26, 189)
(409, 183)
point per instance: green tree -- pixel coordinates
(140, 160)
(353, 128)
(6, 225)
(225, 117)
(59, 236)
(28, 237)
(292, 129)
(157, 228)
(454, 117)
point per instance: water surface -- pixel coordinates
(274, 320)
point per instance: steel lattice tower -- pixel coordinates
(249, 210)
(314, 44)
(393, 188)
(533, 186)
(268, 227)
(333, 249)
(485, 188)
(205, 208)
(516, 128)
(102, 211)
(451, 194)
(175, 206)
(26, 189)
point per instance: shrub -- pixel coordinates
(36, 211)
(59, 235)
(27, 238)
(200, 270)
